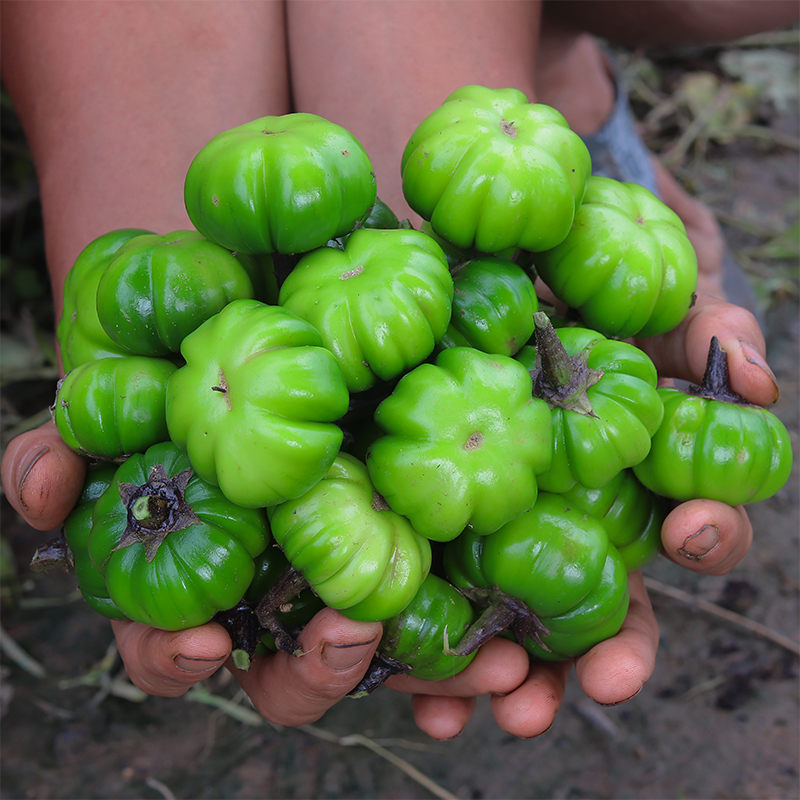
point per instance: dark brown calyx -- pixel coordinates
(561, 380)
(155, 510)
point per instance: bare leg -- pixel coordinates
(573, 76)
(116, 98)
(379, 68)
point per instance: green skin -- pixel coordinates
(158, 289)
(713, 444)
(464, 442)
(494, 301)
(558, 562)
(381, 303)
(112, 407)
(283, 184)
(81, 337)
(173, 553)
(626, 265)
(604, 402)
(256, 403)
(631, 514)
(358, 555)
(492, 171)
(77, 529)
(419, 640)
(422, 634)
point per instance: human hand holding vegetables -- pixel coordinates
(43, 479)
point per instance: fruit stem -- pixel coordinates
(288, 586)
(501, 613)
(561, 380)
(716, 383)
(381, 667)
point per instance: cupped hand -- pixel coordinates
(705, 535)
(526, 694)
(702, 535)
(285, 689)
(42, 478)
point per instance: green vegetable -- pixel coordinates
(80, 335)
(423, 633)
(418, 640)
(626, 265)
(112, 407)
(256, 403)
(631, 515)
(551, 576)
(464, 443)
(713, 444)
(283, 184)
(158, 289)
(603, 398)
(174, 551)
(77, 529)
(489, 169)
(381, 303)
(493, 306)
(357, 554)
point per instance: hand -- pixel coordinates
(285, 689)
(702, 535)
(42, 478)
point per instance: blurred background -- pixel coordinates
(719, 719)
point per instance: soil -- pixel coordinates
(720, 718)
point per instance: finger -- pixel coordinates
(442, 717)
(169, 663)
(615, 670)
(682, 352)
(707, 536)
(296, 690)
(42, 477)
(530, 709)
(498, 667)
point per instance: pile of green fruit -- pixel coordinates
(389, 406)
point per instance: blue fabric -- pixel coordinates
(617, 150)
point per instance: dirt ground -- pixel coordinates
(720, 717)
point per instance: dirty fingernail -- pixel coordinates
(752, 356)
(26, 470)
(619, 702)
(197, 665)
(697, 546)
(345, 656)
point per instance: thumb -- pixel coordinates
(42, 477)
(169, 663)
(682, 352)
(295, 690)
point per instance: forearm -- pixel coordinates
(117, 98)
(638, 23)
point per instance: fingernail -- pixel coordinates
(619, 702)
(26, 470)
(345, 656)
(752, 356)
(697, 546)
(195, 664)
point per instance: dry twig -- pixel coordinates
(718, 611)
